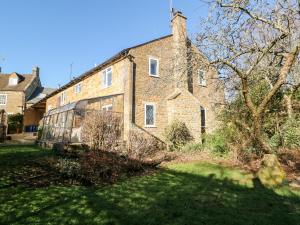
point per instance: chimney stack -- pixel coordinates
(36, 71)
(180, 49)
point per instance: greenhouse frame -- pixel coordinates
(64, 124)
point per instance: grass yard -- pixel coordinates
(195, 193)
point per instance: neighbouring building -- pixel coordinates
(151, 85)
(19, 91)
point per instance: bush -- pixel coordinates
(291, 133)
(68, 167)
(15, 123)
(40, 132)
(193, 147)
(177, 134)
(141, 145)
(101, 130)
(219, 141)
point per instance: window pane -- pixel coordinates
(149, 115)
(203, 117)
(2, 99)
(104, 79)
(109, 78)
(153, 67)
(202, 77)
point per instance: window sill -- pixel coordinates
(150, 126)
(202, 85)
(156, 76)
(102, 88)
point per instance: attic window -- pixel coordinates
(13, 81)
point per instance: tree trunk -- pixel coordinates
(258, 136)
(288, 105)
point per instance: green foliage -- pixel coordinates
(177, 134)
(193, 147)
(15, 123)
(218, 141)
(40, 132)
(68, 167)
(291, 133)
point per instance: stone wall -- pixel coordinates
(91, 86)
(211, 95)
(152, 89)
(183, 106)
(32, 116)
(14, 102)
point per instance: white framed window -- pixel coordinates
(107, 107)
(202, 80)
(150, 114)
(153, 67)
(13, 81)
(3, 99)
(107, 77)
(63, 98)
(77, 88)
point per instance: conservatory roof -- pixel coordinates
(79, 104)
(61, 109)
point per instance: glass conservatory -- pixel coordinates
(64, 124)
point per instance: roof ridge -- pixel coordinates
(109, 60)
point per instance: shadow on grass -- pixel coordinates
(169, 197)
(15, 154)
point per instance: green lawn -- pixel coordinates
(196, 193)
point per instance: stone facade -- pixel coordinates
(21, 90)
(175, 92)
(91, 87)
(15, 102)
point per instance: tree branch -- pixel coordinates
(282, 77)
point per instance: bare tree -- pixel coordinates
(249, 40)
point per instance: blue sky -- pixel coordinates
(52, 34)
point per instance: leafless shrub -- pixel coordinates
(141, 146)
(101, 130)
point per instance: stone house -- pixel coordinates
(151, 84)
(19, 91)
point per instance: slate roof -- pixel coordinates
(39, 94)
(24, 81)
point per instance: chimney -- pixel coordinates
(36, 71)
(180, 49)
